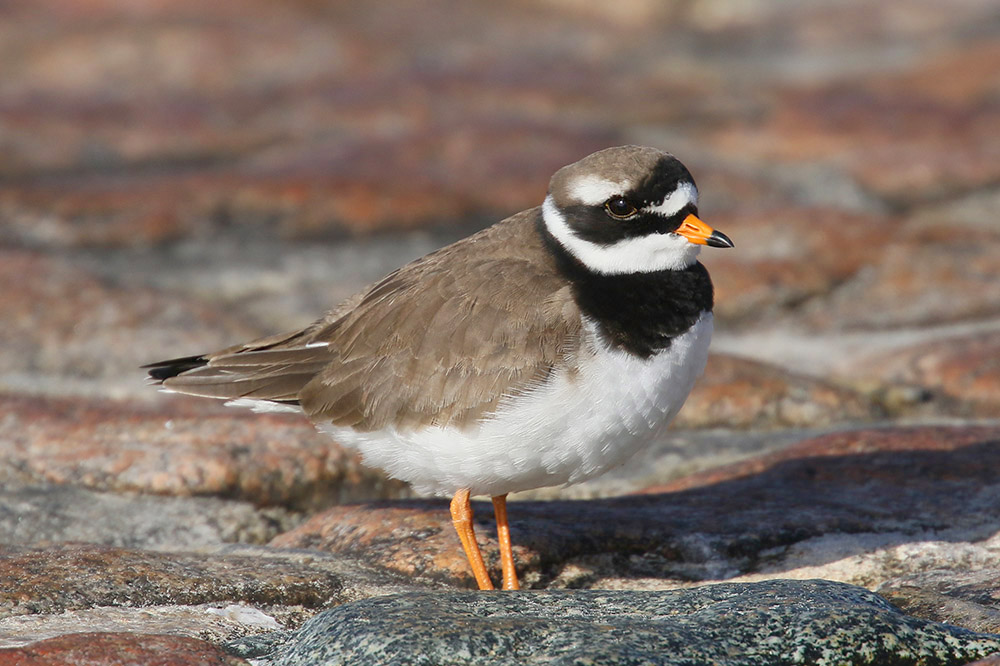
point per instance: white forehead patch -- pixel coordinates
(592, 190)
(641, 254)
(673, 203)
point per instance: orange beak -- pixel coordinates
(699, 233)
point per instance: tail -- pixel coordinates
(163, 370)
(271, 369)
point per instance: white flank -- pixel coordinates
(572, 428)
(313, 345)
(593, 190)
(686, 193)
(263, 406)
(642, 254)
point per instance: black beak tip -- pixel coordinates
(719, 239)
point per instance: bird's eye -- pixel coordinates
(619, 208)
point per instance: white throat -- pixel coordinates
(643, 254)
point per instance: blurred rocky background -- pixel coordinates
(176, 176)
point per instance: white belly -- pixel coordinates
(571, 429)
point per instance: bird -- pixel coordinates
(540, 351)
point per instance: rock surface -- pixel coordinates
(802, 512)
(80, 576)
(741, 393)
(49, 513)
(733, 624)
(181, 447)
(963, 369)
(65, 327)
(108, 649)
(967, 598)
(217, 593)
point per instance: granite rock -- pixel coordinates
(741, 393)
(314, 157)
(969, 598)
(214, 622)
(115, 446)
(804, 510)
(179, 176)
(110, 649)
(164, 122)
(766, 276)
(277, 284)
(895, 132)
(45, 513)
(61, 577)
(916, 283)
(733, 624)
(217, 594)
(65, 327)
(963, 370)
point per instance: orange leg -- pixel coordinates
(503, 536)
(461, 518)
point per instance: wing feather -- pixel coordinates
(440, 341)
(486, 318)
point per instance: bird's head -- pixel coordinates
(628, 209)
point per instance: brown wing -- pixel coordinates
(444, 339)
(273, 368)
(440, 341)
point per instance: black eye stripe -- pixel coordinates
(596, 225)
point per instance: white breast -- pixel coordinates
(574, 427)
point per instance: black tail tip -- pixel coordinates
(163, 370)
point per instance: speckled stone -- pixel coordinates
(786, 622)
(118, 649)
(969, 599)
(61, 577)
(992, 660)
(216, 623)
(46, 513)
